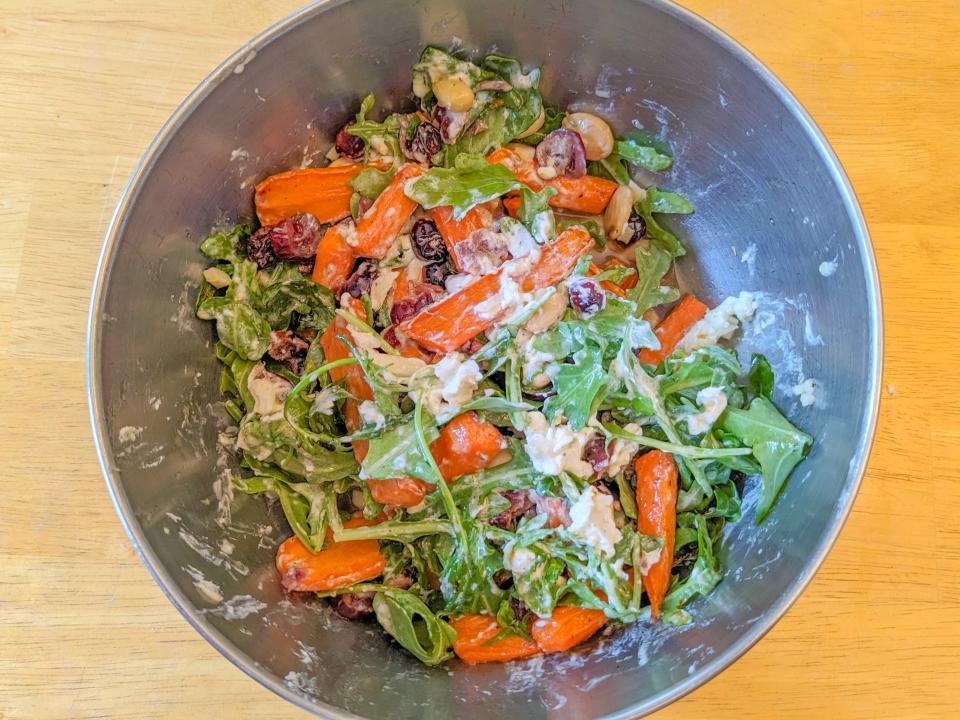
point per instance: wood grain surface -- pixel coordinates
(84, 632)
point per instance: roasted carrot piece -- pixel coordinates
(657, 515)
(448, 324)
(402, 492)
(338, 564)
(322, 192)
(335, 260)
(673, 327)
(630, 281)
(466, 444)
(455, 232)
(474, 636)
(381, 224)
(587, 194)
(512, 205)
(566, 627)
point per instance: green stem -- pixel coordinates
(304, 382)
(394, 531)
(687, 451)
(361, 325)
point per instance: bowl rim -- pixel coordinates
(227, 648)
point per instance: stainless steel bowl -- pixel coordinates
(766, 186)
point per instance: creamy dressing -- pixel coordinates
(621, 451)
(381, 286)
(713, 401)
(720, 323)
(806, 390)
(324, 402)
(371, 414)
(556, 448)
(268, 389)
(592, 521)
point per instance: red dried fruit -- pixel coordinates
(595, 453)
(348, 145)
(586, 296)
(520, 503)
(260, 249)
(482, 252)
(288, 349)
(297, 237)
(427, 242)
(562, 150)
(420, 295)
(353, 605)
(361, 280)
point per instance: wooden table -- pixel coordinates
(84, 632)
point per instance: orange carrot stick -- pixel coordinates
(404, 492)
(512, 205)
(455, 232)
(447, 324)
(338, 564)
(566, 627)
(334, 261)
(673, 327)
(381, 224)
(587, 194)
(594, 269)
(474, 636)
(322, 192)
(466, 444)
(657, 515)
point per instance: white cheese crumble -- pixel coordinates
(806, 391)
(556, 448)
(460, 376)
(828, 268)
(519, 561)
(520, 242)
(544, 227)
(348, 231)
(269, 390)
(456, 283)
(371, 414)
(510, 299)
(398, 366)
(592, 521)
(713, 401)
(534, 361)
(720, 323)
(323, 402)
(621, 452)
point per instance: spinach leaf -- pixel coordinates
(611, 167)
(552, 120)
(664, 201)
(470, 182)
(777, 445)
(577, 385)
(239, 326)
(225, 244)
(396, 453)
(643, 149)
(284, 290)
(760, 378)
(413, 625)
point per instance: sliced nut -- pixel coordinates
(617, 214)
(536, 125)
(547, 172)
(453, 94)
(526, 153)
(342, 161)
(216, 277)
(548, 314)
(596, 134)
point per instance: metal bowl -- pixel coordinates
(772, 205)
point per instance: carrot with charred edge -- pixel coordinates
(594, 269)
(587, 194)
(322, 192)
(455, 232)
(449, 323)
(673, 327)
(475, 641)
(335, 260)
(337, 565)
(566, 627)
(466, 444)
(381, 224)
(405, 492)
(657, 515)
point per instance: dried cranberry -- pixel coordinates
(427, 242)
(503, 579)
(390, 335)
(471, 346)
(361, 280)
(595, 453)
(297, 237)
(562, 150)
(421, 296)
(421, 145)
(482, 252)
(363, 204)
(555, 509)
(438, 272)
(636, 228)
(586, 296)
(260, 249)
(353, 605)
(349, 145)
(288, 349)
(450, 123)
(519, 608)
(520, 503)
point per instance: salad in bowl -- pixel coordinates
(458, 359)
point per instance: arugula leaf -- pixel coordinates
(662, 238)
(577, 385)
(284, 290)
(412, 624)
(664, 201)
(611, 167)
(777, 445)
(239, 326)
(760, 378)
(396, 453)
(643, 149)
(652, 264)
(370, 182)
(470, 182)
(618, 322)
(702, 579)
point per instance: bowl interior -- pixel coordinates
(771, 206)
